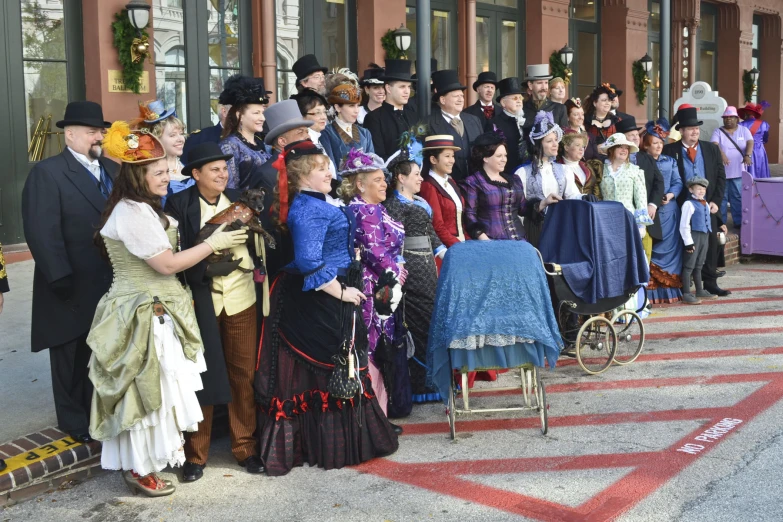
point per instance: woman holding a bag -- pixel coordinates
(315, 393)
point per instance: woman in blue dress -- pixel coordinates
(314, 316)
(343, 133)
(666, 263)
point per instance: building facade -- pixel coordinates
(56, 51)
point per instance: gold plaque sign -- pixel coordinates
(116, 84)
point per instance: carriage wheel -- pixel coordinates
(630, 336)
(596, 344)
(569, 323)
(451, 409)
(543, 407)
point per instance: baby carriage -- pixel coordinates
(492, 311)
(595, 264)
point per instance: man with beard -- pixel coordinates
(450, 119)
(62, 202)
(310, 74)
(510, 121)
(616, 104)
(395, 116)
(485, 107)
(538, 77)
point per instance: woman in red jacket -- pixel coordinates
(440, 191)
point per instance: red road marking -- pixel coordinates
(762, 270)
(712, 333)
(723, 301)
(651, 469)
(686, 318)
(752, 288)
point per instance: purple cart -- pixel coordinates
(762, 215)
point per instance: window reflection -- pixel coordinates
(586, 52)
(223, 41)
(440, 27)
(482, 44)
(169, 40)
(290, 44)
(508, 49)
(584, 10)
(333, 35)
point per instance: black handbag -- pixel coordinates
(343, 382)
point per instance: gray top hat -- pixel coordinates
(283, 116)
(537, 72)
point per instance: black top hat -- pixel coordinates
(618, 92)
(687, 118)
(433, 67)
(446, 81)
(485, 77)
(627, 124)
(202, 154)
(307, 65)
(85, 113)
(397, 71)
(372, 77)
(508, 86)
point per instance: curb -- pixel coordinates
(44, 461)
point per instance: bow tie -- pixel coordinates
(489, 111)
(703, 202)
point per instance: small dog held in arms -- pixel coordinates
(244, 212)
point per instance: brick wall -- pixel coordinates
(732, 250)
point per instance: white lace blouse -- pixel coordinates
(139, 228)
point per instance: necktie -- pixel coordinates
(104, 183)
(489, 111)
(457, 124)
(692, 154)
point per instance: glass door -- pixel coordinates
(443, 28)
(498, 46)
(585, 40)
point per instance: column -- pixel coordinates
(685, 18)
(623, 41)
(735, 50)
(546, 29)
(374, 18)
(470, 52)
(264, 58)
(100, 57)
(770, 85)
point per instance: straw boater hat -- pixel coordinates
(137, 146)
(440, 141)
(615, 140)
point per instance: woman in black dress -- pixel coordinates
(420, 247)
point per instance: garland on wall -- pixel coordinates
(640, 81)
(124, 36)
(559, 69)
(390, 46)
(747, 86)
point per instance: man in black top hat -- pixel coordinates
(310, 74)
(450, 119)
(696, 157)
(62, 202)
(374, 91)
(537, 79)
(616, 104)
(510, 120)
(395, 116)
(486, 107)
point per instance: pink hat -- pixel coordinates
(731, 111)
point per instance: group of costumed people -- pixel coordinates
(314, 329)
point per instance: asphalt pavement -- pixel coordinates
(690, 431)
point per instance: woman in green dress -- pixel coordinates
(147, 354)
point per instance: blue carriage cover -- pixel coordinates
(598, 247)
(493, 302)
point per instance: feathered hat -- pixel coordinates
(358, 162)
(411, 148)
(757, 109)
(138, 146)
(343, 88)
(291, 152)
(243, 90)
(605, 88)
(543, 126)
(659, 128)
(152, 112)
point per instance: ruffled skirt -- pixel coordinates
(156, 440)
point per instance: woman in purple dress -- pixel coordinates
(379, 239)
(759, 129)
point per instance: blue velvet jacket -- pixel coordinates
(337, 148)
(322, 235)
(244, 169)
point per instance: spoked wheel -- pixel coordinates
(569, 324)
(527, 385)
(596, 344)
(543, 407)
(630, 336)
(451, 409)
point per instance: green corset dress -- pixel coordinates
(124, 367)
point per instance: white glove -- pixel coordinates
(642, 232)
(220, 240)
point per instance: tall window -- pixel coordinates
(224, 57)
(585, 39)
(441, 29)
(707, 58)
(497, 37)
(756, 52)
(45, 71)
(168, 23)
(654, 49)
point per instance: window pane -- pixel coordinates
(707, 27)
(655, 17)
(508, 49)
(217, 78)
(587, 63)
(169, 35)
(755, 36)
(43, 35)
(290, 43)
(583, 10)
(482, 44)
(441, 49)
(333, 34)
(410, 23)
(707, 67)
(46, 95)
(507, 3)
(223, 33)
(655, 86)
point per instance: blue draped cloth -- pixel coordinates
(597, 245)
(490, 288)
